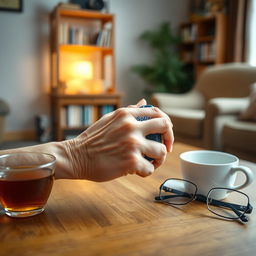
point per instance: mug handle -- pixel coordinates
(247, 172)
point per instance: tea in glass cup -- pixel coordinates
(26, 181)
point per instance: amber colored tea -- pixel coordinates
(25, 190)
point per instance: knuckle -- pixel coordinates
(122, 112)
(160, 112)
(128, 125)
(132, 143)
(156, 110)
(165, 123)
(163, 150)
(133, 161)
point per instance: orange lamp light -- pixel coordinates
(80, 77)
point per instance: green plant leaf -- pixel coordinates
(167, 72)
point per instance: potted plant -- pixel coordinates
(167, 73)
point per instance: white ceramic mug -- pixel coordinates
(209, 169)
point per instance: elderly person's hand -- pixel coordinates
(112, 147)
(115, 145)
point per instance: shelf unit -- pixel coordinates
(79, 36)
(203, 42)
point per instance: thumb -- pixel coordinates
(141, 103)
(138, 104)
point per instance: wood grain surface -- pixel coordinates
(120, 217)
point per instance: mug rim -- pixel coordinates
(44, 165)
(182, 157)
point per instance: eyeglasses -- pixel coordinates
(181, 192)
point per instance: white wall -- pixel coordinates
(132, 18)
(24, 52)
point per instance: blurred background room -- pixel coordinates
(65, 64)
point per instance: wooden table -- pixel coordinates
(121, 218)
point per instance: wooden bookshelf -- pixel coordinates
(87, 37)
(203, 42)
(61, 102)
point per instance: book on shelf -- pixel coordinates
(87, 115)
(63, 116)
(81, 115)
(70, 136)
(104, 37)
(71, 34)
(81, 35)
(105, 109)
(207, 51)
(74, 115)
(188, 33)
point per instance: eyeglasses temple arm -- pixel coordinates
(235, 207)
(175, 191)
(159, 198)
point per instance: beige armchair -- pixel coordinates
(238, 135)
(199, 115)
(239, 138)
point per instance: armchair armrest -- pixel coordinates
(192, 99)
(217, 107)
(220, 106)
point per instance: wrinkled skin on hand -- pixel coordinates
(115, 145)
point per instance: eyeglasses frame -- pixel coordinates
(198, 197)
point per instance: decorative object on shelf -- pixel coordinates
(69, 6)
(197, 9)
(90, 4)
(202, 8)
(166, 73)
(11, 5)
(213, 7)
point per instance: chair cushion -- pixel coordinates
(239, 135)
(187, 122)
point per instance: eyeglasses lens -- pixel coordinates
(232, 206)
(177, 192)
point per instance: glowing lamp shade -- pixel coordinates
(80, 77)
(82, 70)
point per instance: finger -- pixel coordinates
(140, 103)
(162, 126)
(140, 166)
(145, 168)
(155, 150)
(149, 112)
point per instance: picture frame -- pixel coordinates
(11, 5)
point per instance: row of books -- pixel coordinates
(188, 33)
(82, 115)
(207, 51)
(104, 36)
(72, 34)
